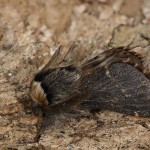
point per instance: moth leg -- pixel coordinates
(40, 130)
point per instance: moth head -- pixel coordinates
(54, 85)
(37, 93)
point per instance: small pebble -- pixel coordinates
(9, 74)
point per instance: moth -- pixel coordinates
(114, 80)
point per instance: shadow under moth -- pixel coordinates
(114, 80)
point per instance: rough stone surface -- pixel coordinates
(30, 32)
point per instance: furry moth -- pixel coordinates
(114, 80)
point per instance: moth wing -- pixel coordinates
(120, 54)
(120, 82)
(125, 90)
(74, 53)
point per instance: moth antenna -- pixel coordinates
(59, 57)
(54, 60)
(69, 51)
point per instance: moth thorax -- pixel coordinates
(37, 93)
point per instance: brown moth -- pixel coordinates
(115, 80)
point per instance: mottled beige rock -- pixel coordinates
(30, 32)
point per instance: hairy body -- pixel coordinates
(115, 80)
